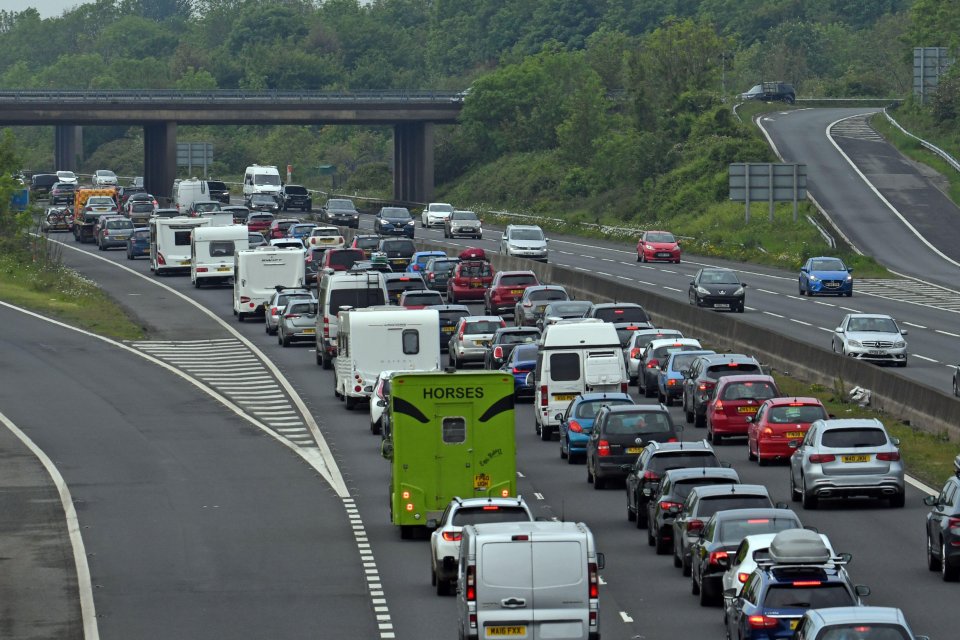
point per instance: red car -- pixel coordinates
(259, 222)
(658, 246)
(340, 259)
(469, 281)
(420, 298)
(777, 422)
(735, 399)
(506, 289)
(280, 227)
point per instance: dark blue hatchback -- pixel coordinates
(138, 244)
(577, 422)
(521, 362)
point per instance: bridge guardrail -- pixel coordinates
(230, 95)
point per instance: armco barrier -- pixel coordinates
(924, 407)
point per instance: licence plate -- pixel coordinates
(663, 255)
(184, 263)
(481, 343)
(516, 292)
(447, 329)
(793, 624)
(855, 458)
(519, 630)
(564, 397)
(224, 268)
(746, 409)
(795, 434)
(310, 331)
(721, 305)
(634, 449)
(476, 285)
(877, 352)
(481, 482)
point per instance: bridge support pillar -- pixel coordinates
(68, 147)
(413, 161)
(159, 157)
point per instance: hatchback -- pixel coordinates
(340, 259)
(450, 314)
(398, 252)
(736, 399)
(618, 437)
(394, 221)
(658, 246)
(506, 289)
(367, 243)
(420, 259)
(529, 308)
(667, 501)
(655, 354)
(274, 308)
(114, 232)
(825, 275)
(700, 381)
(63, 192)
(717, 289)
(327, 237)
(754, 548)
(851, 457)
(138, 244)
(576, 423)
(239, 213)
(469, 281)
(867, 623)
(259, 222)
(622, 313)
(634, 343)
(504, 341)
(670, 376)
(471, 338)
(280, 227)
(414, 299)
(524, 241)
(437, 272)
(462, 224)
(563, 310)
(298, 323)
(776, 423)
(521, 362)
(397, 283)
(300, 231)
(943, 530)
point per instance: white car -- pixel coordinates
(743, 562)
(633, 350)
(435, 214)
(445, 538)
(104, 178)
(379, 400)
(870, 336)
(325, 238)
(524, 241)
(67, 177)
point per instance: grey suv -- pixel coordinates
(700, 381)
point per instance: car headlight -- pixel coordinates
(410, 223)
(648, 247)
(899, 344)
(849, 277)
(812, 277)
(854, 343)
(738, 292)
(702, 291)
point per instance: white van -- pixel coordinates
(529, 580)
(170, 243)
(212, 249)
(379, 339)
(258, 273)
(574, 358)
(261, 179)
(354, 289)
(189, 191)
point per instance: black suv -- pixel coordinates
(295, 196)
(505, 341)
(619, 435)
(667, 501)
(341, 211)
(43, 182)
(644, 477)
(771, 91)
(700, 381)
(218, 191)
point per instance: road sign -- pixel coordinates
(194, 154)
(929, 63)
(767, 181)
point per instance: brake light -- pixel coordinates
(624, 387)
(594, 580)
(326, 327)
(460, 333)
(763, 622)
(202, 269)
(603, 448)
(953, 523)
(651, 475)
(290, 316)
(274, 311)
(618, 312)
(431, 276)
(758, 521)
(543, 395)
(498, 352)
(806, 583)
(893, 456)
(820, 458)
(694, 525)
(471, 583)
(796, 404)
(404, 279)
(666, 505)
(244, 299)
(767, 431)
(706, 385)
(653, 364)
(106, 232)
(716, 556)
(672, 382)
(160, 258)
(574, 426)
(742, 577)
(718, 405)
(635, 353)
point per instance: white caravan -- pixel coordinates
(261, 179)
(212, 249)
(170, 243)
(379, 339)
(258, 273)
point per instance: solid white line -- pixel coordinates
(88, 612)
(625, 617)
(774, 293)
(750, 308)
(916, 355)
(948, 333)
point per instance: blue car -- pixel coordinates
(670, 378)
(576, 423)
(138, 244)
(300, 231)
(826, 275)
(420, 259)
(522, 361)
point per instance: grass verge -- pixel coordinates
(38, 282)
(911, 148)
(924, 455)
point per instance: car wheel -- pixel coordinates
(750, 455)
(563, 453)
(761, 461)
(589, 475)
(794, 494)
(707, 598)
(741, 307)
(598, 482)
(546, 433)
(241, 316)
(572, 459)
(661, 544)
(351, 402)
(677, 562)
(647, 391)
(956, 387)
(902, 363)
(713, 436)
(327, 362)
(694, 585)
(688, 416)
(284, 340)
(641, 516)
(631, 514)
(686, 569)
(809, 500)
(639, 259)
(933, 562)
(700, 422)
(849, 294)
(948, 573)
(651, 541)
(898, 500)
(375, 427)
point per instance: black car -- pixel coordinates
(943, 529)
(667, 501)
(723, 534)
(437, 272)
(63, 193)
(655, 459)
(700, 381)
(42, 183)
(341, 211)
(219, 191)
(239, 212)
(717, 289)
(620, 434)
(394, 221)
(771, 92)
(263, 202)
(397, 283)
(398, 252)
(622, 314)
(563, 310)
(505, 340)
(450, 314)
(295, 196)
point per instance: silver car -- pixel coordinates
(472, 337)
(851, 457)
(524, 241)
(462, 223)
(870, 336)
(298, 322)
(832, 623)
(276, 305)
(633, 349)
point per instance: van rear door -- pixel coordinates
(561, 606)
(505, 606)
(602, 370)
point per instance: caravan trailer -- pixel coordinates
(258, 273)
(170, 243)
(212, 249)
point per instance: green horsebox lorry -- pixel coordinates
(451, 435)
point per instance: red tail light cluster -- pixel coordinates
(574, 426)
(603, 448)
(762, 622)
(544, 397)
(635, 353)
(594, 580)
(666, 505)
(694, 525)
(452, 536)
(820, 458)
(326, 327)
(716, 556)
(498, 352)
(653, 364)
(893, 456)
(651, 475)
(471, 583)
(706, 385)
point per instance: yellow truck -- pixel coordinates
(86, 213)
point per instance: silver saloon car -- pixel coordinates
(871, 336)
(849, 457)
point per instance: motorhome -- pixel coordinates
(261, 179)
(574, 358)
(385, 338)
(258, 273)
(170, 243)
(339, 289)
(212, 249)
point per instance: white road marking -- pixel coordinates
(806, 324)
(851, 310)
(670, 288)
(625, 617)
(917, 355)
(520, 475)
(773, 293)
(910, 324)
(750, 308)
(667, 271)
(825, 329)
(771, 313)
(643, 266)
(538, 496)
(604, 273)
(948, 333)
(608, 259)
(826, 304)
(625, 278)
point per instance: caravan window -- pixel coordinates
(221, 248)
(356, 298)
(181, 238)
(411, 342)
(565, 367)
(454, 430)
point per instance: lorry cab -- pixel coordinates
(529, 580)
(212, 251)
(170, 243)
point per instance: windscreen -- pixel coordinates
(404, 284)
(296, 191)
(787, 596)
(682, 488)
(423, 298)
(356, 298)
(827, 265)
(441, 208)
(285, 298)
(481, 326)
(451, 317)
(803, 413)
(119, 224)
(749, 391)
(142, 234)
(141, 207)
(301, 228)
(490, 513)
(524, 352)
(221, 248)
(681, 362)
(101, 201)
(711, 504)
(367, 243)
(518, 280)
(682, 460)
(526, 234)
(463, 215)
(442, 266)
(266, 179)
(719, 277)
(345, 258)
(647, 423)
(207, 206)
(622, 314)
(737, 530)
(861, 631)
(665, 350)
(731, 369)
(394, 213)
(340, 204)
(399, 246)
(519, 337)
(660, 236)
(476, 270)
(589, 408)
(306, 308)
(547, 294)
(879, 325)
(853, 438)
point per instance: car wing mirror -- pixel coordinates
(804, 270)
(930, 501)
(904, 332)
(749, 419)
(366, 389)
(601, 561)
(838, 330)
(559, 417)
(726, 465)
(692, 283)
(432, 523)
(862, 590)
(781, 505)
(895, 441)
(723, 562)
(846, 557)
(849, 269)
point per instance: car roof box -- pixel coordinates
(473, 253)
(798, 546)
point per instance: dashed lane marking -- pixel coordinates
(910, 324)
(851, 310)
(773, 293)
(671, 288)
(948, 333)
(626, 618)
(806, 324)
(917, 355)
(771, 313)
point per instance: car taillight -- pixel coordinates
(274, 311)
(498, 352)
(953, 523)
(742, 577)
(716, 556)
(431, 277)
(718, 405)
(503, 323)
(624, 387)
(574, 426)
(202, 269)
(653, 364)
(603, 448)
(452, 536)
(544, 398)
(460, 333)
(594, 580)
(471, 583)
(106, 232)
(672, 382)
(160, 258)
(666, 505)
(762, 622)
(290, 316)
(635, 353)
(244, 299)
(807, 583)
(519, 370)
(706, 385)
(892, 456)
(326, 327)
(694, 525)
(820, 458)
(767, 431)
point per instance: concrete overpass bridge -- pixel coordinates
(411, 114)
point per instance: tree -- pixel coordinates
(196, 80)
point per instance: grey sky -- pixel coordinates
(46, 8)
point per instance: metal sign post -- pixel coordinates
(195, 153)
(773, 182)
